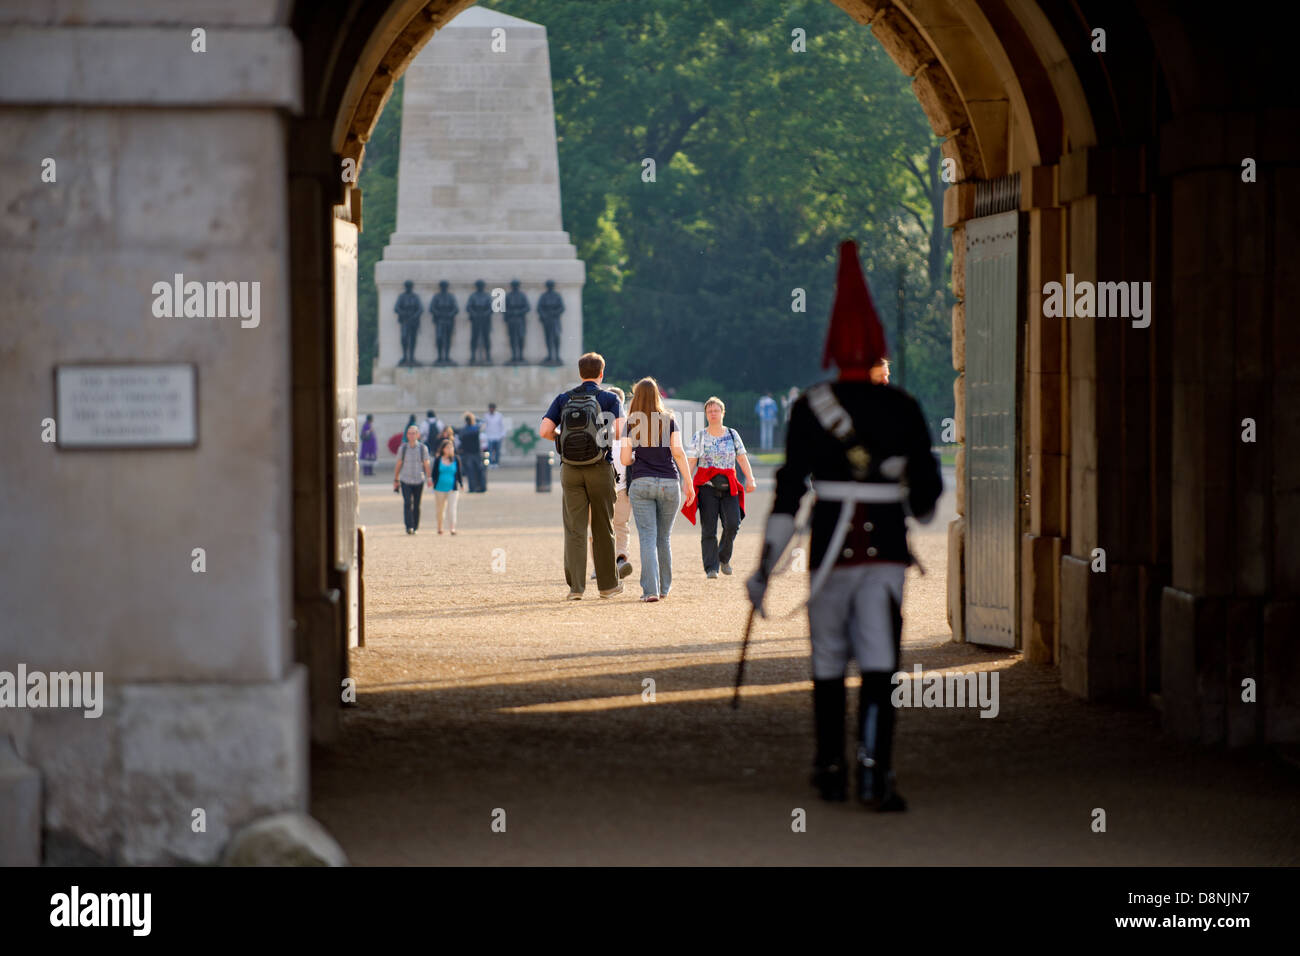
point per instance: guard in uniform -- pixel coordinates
(867, 449)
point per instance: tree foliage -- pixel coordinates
(765, 158)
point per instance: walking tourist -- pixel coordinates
(717, 458)
(658, 477)
(410, 475)
(471, 450)
(445, 481)
(494, 432)
(369, 446)
(766, 411)
(583, 423)
(430, 428)
(622, 506)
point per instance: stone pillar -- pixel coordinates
(1105, 614)
(167, 160)
(1046, 414)
(958, 206)
(1231, 612)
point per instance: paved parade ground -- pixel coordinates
(481, 690)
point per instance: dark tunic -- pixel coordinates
(888, 422)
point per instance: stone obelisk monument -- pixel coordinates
(478, 198)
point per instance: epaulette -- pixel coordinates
(834, 419)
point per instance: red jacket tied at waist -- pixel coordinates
(702, 477)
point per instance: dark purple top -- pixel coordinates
(655, 461)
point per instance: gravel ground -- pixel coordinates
(483, 690)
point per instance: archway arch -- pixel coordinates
(990, 81)
(1029, 109)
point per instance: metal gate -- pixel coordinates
(993, 344)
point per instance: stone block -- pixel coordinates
(91, 65)
(82, 784)
(20, 809)
(1251, 502)
(939, 99)
(1040, 597)
(237, 751)
(122, 789)
(1192, 665)
(960, 471)
(963, 148)
(864, 10)
(957, 578)
(959, 405)
(1242, 647)
(284, 839)
(1286, 556)
(1279, 675)
(901, 40)
(1044, 412)
(243, 13)
(989, 119)
(958, 206)
(1047, 493)
(959, 336)
(1076, 623)
(1252, 357)
(1038, 188)
(1100, 634)
(958, 253)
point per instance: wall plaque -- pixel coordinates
(134, 405)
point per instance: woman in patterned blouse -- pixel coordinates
(716, 454)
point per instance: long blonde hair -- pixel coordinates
(647, 418)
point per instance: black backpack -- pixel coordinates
(581, 441)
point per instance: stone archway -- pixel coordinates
(1001, 92)
(1026, 96)
(1168, 156)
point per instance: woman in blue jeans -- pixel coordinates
(658, 478)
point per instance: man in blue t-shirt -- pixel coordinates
(588, 490)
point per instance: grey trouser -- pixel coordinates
(851, 614)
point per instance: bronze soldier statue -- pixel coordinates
(479, 307)
(444, 307)
(409, 310)
(516, 314)
(550, 306)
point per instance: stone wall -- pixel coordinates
(177, 168)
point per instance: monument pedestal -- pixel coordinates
(521, 393)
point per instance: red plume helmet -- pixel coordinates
(855, 340)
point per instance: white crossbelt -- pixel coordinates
(848, 493)
(877, 492)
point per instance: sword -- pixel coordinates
(740, 668)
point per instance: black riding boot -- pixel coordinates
(830, 771)
(876, 744)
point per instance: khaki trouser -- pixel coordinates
(622, 522)
(588, 496)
